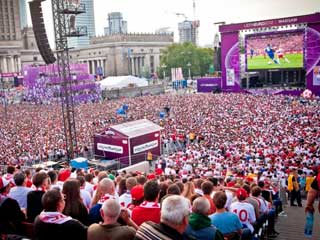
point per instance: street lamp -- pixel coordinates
(164, 71)
(189, 66)
(4, 96)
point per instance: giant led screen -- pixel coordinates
(275, 50)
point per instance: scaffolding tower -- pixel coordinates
(64, 12)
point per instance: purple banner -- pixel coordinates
(311, 18)
(208, 84)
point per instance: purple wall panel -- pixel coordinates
(116, 140)
(312, 54)
(230, 59)
(144, 139)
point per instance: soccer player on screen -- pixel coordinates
(270, 52)
(251, 52)
(280, 55)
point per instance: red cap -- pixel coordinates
(241, 194)
(64, 175)
(137, 192)
(151, 176)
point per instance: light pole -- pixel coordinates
(189, 66)
(4, 96)
(164, 72)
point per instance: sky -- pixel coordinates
(149, 15)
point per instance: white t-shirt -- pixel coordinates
(89, 188)
(86, 198)
(125, 199)
(245, 212)
(263, 206)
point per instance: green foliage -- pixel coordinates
(179, 55)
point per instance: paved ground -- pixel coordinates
(291, 224)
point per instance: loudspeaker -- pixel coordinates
(40, 32)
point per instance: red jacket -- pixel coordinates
(147, 211)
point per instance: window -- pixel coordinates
(35, 58)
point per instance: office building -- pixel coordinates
(116, 25)
(84, 19)
(188, 31)
(23, 14)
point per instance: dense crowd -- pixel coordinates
(241, 155)
(244, 124)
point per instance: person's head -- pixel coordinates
(53, 201)
(27, 172)
(188, 189)
(4, 186)
(256, 191)
(81, 180)
(151, 191)
(53, 176)
(19, 179)
(131, 182)
(71, 189)
(247, 188)
(88, 177)
(173, 189)
(207, 187)
(122, 186)
(220, 199)
(241, 194)
(107, 186)
(198, 183)
(180, 185)
(11, 169)
(175, 212)
(261, 184)
(163, 190)
(110, 211)
(137, 194)
(141, 180)
(201, 206)
(41, 179)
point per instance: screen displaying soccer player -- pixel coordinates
(275, 50)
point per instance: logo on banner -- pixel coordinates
(110, 148)
(230, 77)
(145, 146)
(316, 76)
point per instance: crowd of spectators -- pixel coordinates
(241, 155)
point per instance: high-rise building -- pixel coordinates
(188, 31)
(84, 19)
(116, 25)
(23, 14)
(10, 36)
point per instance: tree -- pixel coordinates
(179, 55)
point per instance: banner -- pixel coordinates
(110, 148)
(230, 77)
(145, 146)
(316, 76)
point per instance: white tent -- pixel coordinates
(121, 82)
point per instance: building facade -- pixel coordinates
(10, 36)
(84, 19)
(23, 14)
(123, 54)
(116, 25)
(189, 31)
